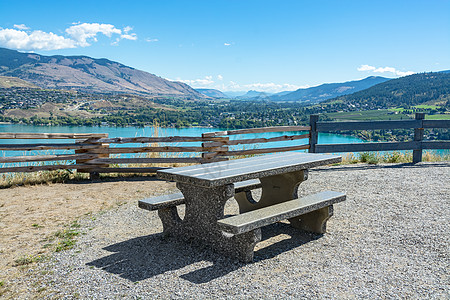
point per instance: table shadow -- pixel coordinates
(144, 257)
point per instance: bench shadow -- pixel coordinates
(144, 257)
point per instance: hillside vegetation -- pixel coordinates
(423, 88)
(328, 90)
(10, 82)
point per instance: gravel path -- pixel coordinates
(390, 239)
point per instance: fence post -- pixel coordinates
(418, 136)
(208, 155)
(100, 146)
(314, 134)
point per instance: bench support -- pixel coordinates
(275, 189)
(204, 207)
(315, 221)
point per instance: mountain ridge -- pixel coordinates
(329, 90)
(405, 91)
(87, 74)
(212, 93)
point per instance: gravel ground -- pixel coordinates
(389, 239)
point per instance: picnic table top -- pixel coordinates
(226, 172)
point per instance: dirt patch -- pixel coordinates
(31, 215)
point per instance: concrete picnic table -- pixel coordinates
(206, 188)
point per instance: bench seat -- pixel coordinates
(268, 215)
(155, 203)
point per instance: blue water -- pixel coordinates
(324, 138)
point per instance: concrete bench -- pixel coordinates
(313, 212)
(166, 201)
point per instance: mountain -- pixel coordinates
(254, 95)
(9, 82)
(212, 93)
(329, 90)
(232, 94)
(282, 93)
(88, 74)
(404, 91)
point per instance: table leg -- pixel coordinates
(275, 189)
(204, 207)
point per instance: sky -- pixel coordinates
(233, 45)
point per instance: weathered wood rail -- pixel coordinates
(92, 152)
(417, 145)
(225, 152)
(97, 153)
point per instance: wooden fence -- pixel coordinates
(417, 144)
(97, 153)
(94, 154)
(225, 152)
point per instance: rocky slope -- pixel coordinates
(9, 82)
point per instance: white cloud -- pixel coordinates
(272, 87)
(127, 35)
(199, 83)
(366, 68)
(77, 35)
(151, 40)
(36, 40)
(81, 33)
(127, 29)
(131, 37)
(21, 26)
(392, 70)
(209, 83)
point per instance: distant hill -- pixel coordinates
(254, 95)
(282, 93)
(212, 93)
(88, 74)
(404, 91)
(231, 94)
(9, 82)
(328, 90)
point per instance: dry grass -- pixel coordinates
(391, 157)
(8, 180)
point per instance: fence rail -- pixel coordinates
(94, 153)
(224, 152)
(417, 145)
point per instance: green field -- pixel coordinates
(438, 117)
(382, 115)
(421, 107)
